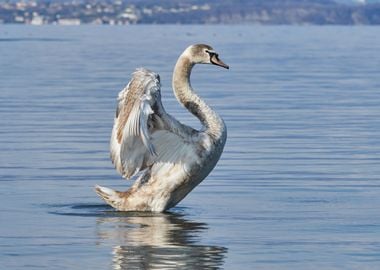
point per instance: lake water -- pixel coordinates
(297, 187)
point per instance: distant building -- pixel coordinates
(37, 19)
(69, 22)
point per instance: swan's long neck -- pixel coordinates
(185, 94)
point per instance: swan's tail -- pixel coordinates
(110, 196)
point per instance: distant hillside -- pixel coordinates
(265, 12)
(320, 12)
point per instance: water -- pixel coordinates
(298, 184)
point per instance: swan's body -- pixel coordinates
(173, 158)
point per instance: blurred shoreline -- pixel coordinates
(275, 12)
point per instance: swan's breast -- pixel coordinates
(209, 151)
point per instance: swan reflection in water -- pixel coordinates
(158, 241)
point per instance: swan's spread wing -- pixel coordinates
(130, 141)
(143, 133)
(173, 149)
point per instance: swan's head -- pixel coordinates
(204, 54)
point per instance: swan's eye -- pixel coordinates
(211, 53)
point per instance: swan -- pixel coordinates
(170, 157)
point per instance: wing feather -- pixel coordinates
(172, 150)
(144, 135)
(131, 145)
(146, 111)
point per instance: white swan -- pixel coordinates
(173, 158)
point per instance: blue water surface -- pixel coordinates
(297, 187)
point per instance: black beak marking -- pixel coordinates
(214, 59)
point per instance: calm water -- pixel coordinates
(298, 186)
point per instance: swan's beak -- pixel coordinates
(216, 61)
